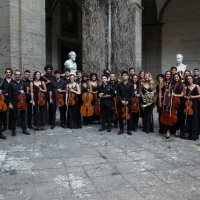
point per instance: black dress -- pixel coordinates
(40, 112)
(135, 116)
(94, 116)
(148, 125)
(191, 129)
(73, 114)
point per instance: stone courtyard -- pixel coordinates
(87, 164)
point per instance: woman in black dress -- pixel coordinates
(94, 89)
(85, 87)
(73, 111)
(40, 112)
(190, 126)
(177, 91)
(135, 115)
(147, 91)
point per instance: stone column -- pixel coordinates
(25, 34)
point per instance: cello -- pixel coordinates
(3, 106)
(169, 115)
(87, 109)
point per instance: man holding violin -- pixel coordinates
(3, 105)
(125, 93)
(16, 88)
(106, 95)
(57, 99)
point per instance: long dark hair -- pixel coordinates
(186, 81)
(35, 74)
(179, 83)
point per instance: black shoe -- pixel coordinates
(30, 126)
(129, 132)
(63, 126)
(25, 132)
(52, 126)
(120, 132)
(115, 126)
(13, 133)
(109, 130)
(4, 128)
(2, 136)
(102, 129)
(10, 128)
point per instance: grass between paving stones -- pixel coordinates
(198, 145)
(168, 140)
(115, 172)
(169, 146)
(104, 157)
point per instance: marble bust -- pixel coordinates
(180, 66)
(70, 63)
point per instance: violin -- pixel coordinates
(135, 105)
(22, 105)
(41, 100)
(3, 106)
(188, 108)
(95, 96)
(125, 111)
(169, 115)
(71, 98)
(97, 110)
(87, 109)
(60, 99)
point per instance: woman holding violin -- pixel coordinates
(190, 125)
(86, 89)
(176, 89)
(147, 91)
(135, 104)
(72, 103)
(94, 82)
(38, 90)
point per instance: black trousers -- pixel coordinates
(49, 107)
(61, 109)
(29, 109)
(13, 115)
(121, 121)
(5, 117)
(106, 112)
(1, 118)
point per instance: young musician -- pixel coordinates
(106, 94)
(57, 87)
(131, 73)
(72, 103)
(196, 76)
(27, 82)
(141, 77)
(47, 78)
(79, 76)
(15, 88)
(94, 85)
(190, 125)
(7, 80)
(66, 77)
(147, 91)
(125, 93)
(85, 87)
(173, 70)
(177, 91)
(37, 88)
(111, 83)
(135, 115)
(3, 91)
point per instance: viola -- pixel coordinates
(135, 105)
(71, 98)
(97, 110)
(22, 105)
(169, 115)
(60, 99)
(3, 106)
(87, 109)
(125, 112)
(188, 107)
(41, 100)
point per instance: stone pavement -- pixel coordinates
(87, 164)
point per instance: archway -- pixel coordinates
(63, 31)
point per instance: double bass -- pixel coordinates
(3, 106)
(169, 115)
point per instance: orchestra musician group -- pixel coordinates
(84, 99)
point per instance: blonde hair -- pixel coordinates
(151, 81)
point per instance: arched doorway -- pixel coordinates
(63, 31)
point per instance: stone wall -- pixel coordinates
(181, 33)
(23, 39)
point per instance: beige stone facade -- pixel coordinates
(34, 33)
